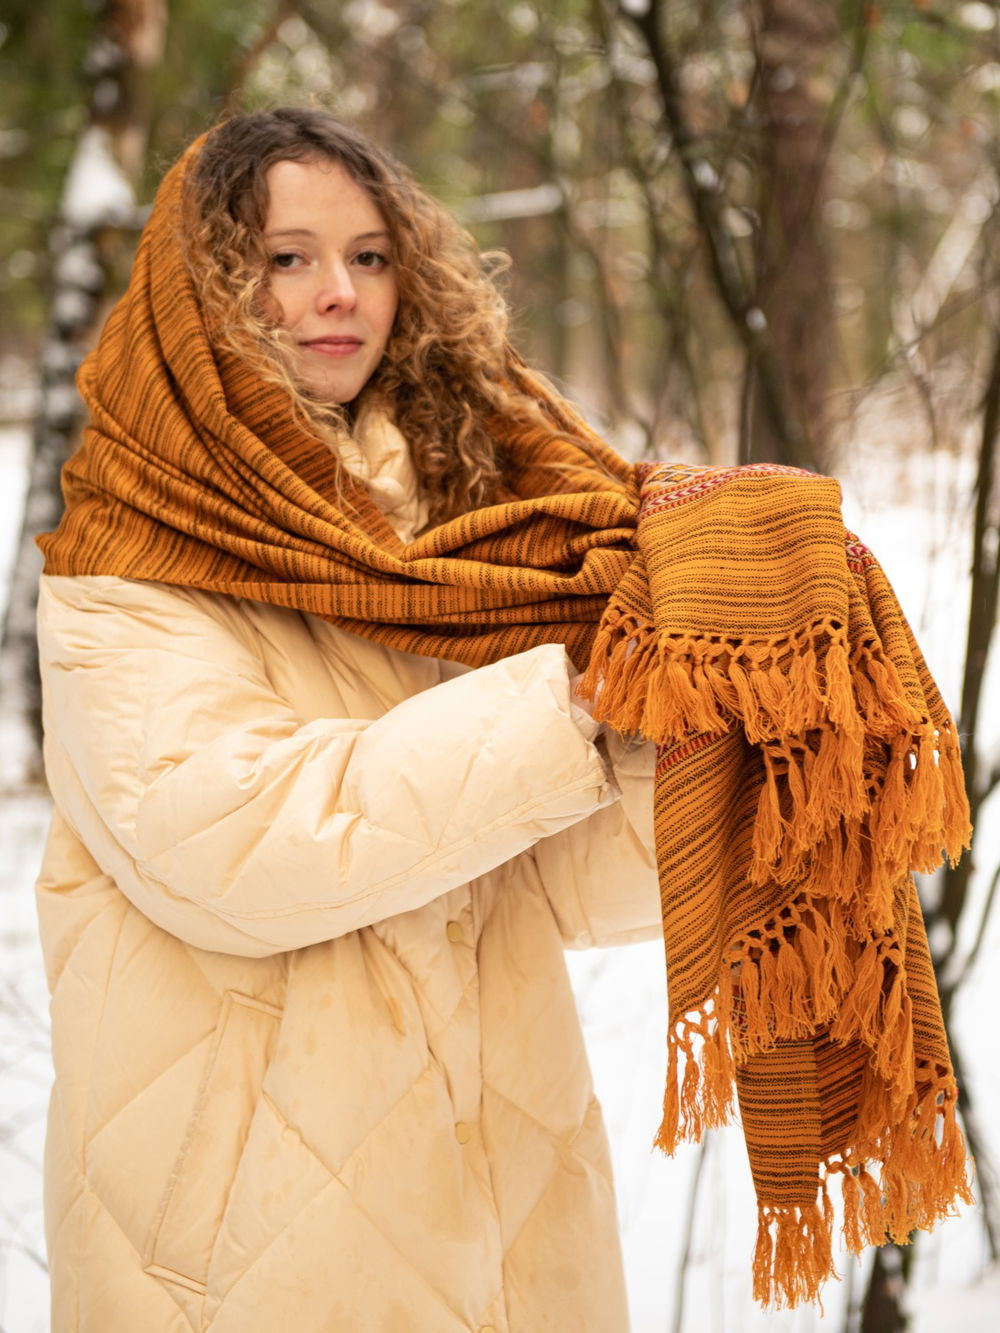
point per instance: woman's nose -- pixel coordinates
(336, 290)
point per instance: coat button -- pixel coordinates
(462, 1132)
(455, 932)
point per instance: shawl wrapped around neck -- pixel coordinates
(806, 763)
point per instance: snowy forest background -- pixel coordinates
(740, 229)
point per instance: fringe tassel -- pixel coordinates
(793, 1256)
(924, 1173)
(832, 810)
(864, 1219)
(924, 1165)
(907, 1119)
(703, 1097)
(773, 688)
(957, 829)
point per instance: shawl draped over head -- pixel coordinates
(806, 763)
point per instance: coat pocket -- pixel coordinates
(192, 1208)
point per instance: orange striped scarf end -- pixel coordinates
(923, 1177)
(907, 1129)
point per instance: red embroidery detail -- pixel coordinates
(668, 755)
(668, 485)
(859, 557)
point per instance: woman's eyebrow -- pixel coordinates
(304, 231)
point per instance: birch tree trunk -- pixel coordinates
(93, 232)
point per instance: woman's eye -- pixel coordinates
(284, 260)
(372, 259)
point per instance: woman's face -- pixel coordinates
(331, 283)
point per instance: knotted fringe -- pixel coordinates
(837, 808)
(859, 788)
(799, 974)
(667, 686)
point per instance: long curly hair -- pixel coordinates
(448, 367)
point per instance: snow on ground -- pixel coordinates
(25, 1067)
(25, 1070)
(907, 510)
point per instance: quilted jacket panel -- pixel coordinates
(304, 906)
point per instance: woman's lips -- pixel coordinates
(333, 346)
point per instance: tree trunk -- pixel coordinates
(883, 1310)
(89, 241)
(794, 41)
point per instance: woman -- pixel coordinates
(304, 903)
(310, 876)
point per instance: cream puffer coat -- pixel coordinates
(303, 908)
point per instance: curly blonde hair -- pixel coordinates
(448, 367)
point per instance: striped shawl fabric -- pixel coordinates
(806, 762)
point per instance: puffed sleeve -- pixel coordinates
(600, 874)
(238, 826)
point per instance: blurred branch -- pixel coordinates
(29, 1252)
(668, 291)
(972, 956)
(247, 61)
(684, 1260)
(985, 575)
(883, 1308)
(978, 1150)
(953, 901)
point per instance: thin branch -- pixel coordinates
(668, 297)
(973, 954)
(982, 624)
(684, 1261)
(30, 1253)
(979, 1151)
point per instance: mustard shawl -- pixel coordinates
(805, 761)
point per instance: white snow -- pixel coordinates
(97, 191)
(77, 266)
(15, 442)
(25, 1070)
(527, 203)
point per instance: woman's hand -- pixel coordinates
(584, 705)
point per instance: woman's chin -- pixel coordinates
(330, 390)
